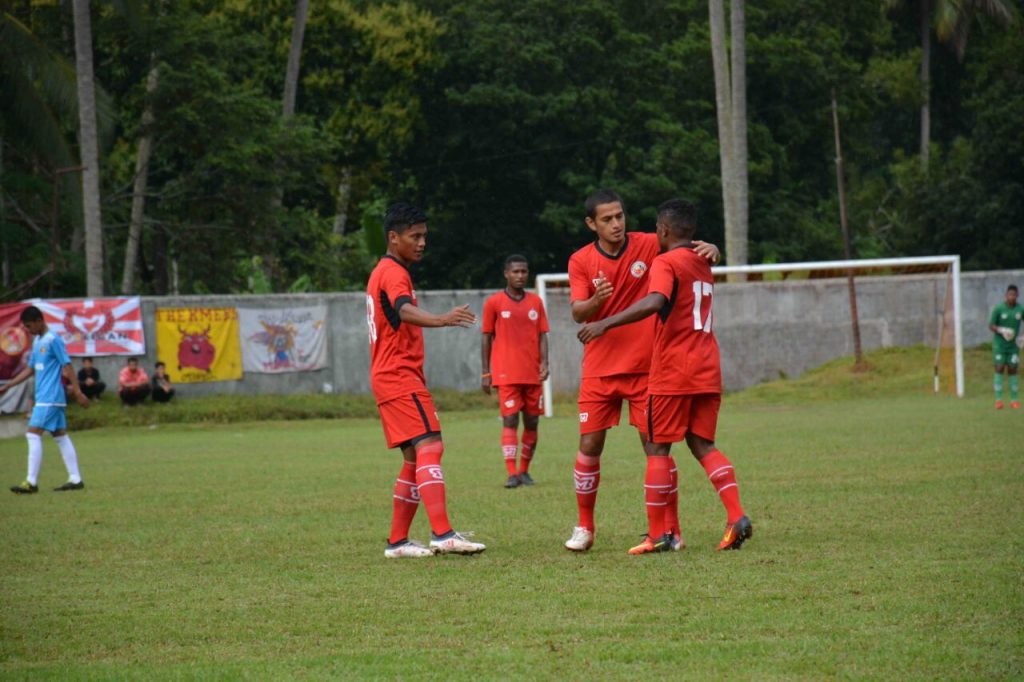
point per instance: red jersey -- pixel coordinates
(625, 349)
(517, 326)
(685, 359)
(396, 349)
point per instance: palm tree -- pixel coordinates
(952, 20)
(89, 149)
(45, 85)
(731, 105)
(45, 101)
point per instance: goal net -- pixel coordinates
(785, 318)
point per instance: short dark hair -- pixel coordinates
(31, 314)
(160, 364)
(600, 197)
(131, 360)
(515, 258)
(1012, 287)
(402, 215)
(680, 216)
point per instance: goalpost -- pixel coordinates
(836, 268)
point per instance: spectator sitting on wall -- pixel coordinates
(134, 383)
(163, 391)
(89, 380)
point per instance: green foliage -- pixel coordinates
(499, 119)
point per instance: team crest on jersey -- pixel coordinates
(638, 269)
(532, 314)
(505, 314)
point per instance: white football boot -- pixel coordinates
(581, 540)
(456, 543)
(410, 549)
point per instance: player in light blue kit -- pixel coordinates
(48, 362)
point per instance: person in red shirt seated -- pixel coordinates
(134, 383)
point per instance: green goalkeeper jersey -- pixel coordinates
(1009, 318)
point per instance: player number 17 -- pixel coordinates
(700, 290)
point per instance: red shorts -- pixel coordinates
(408, 418)
(600, 401)
(670, 417)
(528, 398)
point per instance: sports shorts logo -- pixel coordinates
(638, 269)
(532, 315)
(505, 314)
(510, 403)
(584, 416)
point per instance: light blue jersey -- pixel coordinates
(48, 359)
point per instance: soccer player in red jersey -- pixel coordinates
(396, 377)
(606, 277)
(685, 387)
(514, 359)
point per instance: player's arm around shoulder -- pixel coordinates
(645, 307)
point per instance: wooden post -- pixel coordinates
(858, 353)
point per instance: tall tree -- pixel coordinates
(731, 105)
(89, 149)
(952, 20)
(291, 76)
(142, 156)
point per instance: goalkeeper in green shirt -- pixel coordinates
(1005, 324)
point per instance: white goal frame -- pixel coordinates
(953, 262)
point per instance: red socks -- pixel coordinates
(509, 442)
(722, 476)
(587, 476)
(672, 510)
(526, 453)
(657, 488)
(430, 482)
(407, 501)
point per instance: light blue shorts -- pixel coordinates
(48, 419)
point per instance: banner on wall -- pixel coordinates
(199, 344)
(15, 345)
(283, 340)
(96, 326)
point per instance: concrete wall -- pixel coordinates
(765, 329)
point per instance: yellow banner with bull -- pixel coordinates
(199, 344)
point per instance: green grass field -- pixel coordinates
(884, 546)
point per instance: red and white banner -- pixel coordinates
(15, 344)
(97, 326)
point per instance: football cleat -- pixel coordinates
(581, 540)
(407, 549)
(455, 543)
(24, 488)
(1015, 404)
(512, 482)
(677, 543)
(662, 544)
(525, 479)
(70, 486)
(999, 404)
(736, 534)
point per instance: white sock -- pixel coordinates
(35, 457)
(67, 451)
